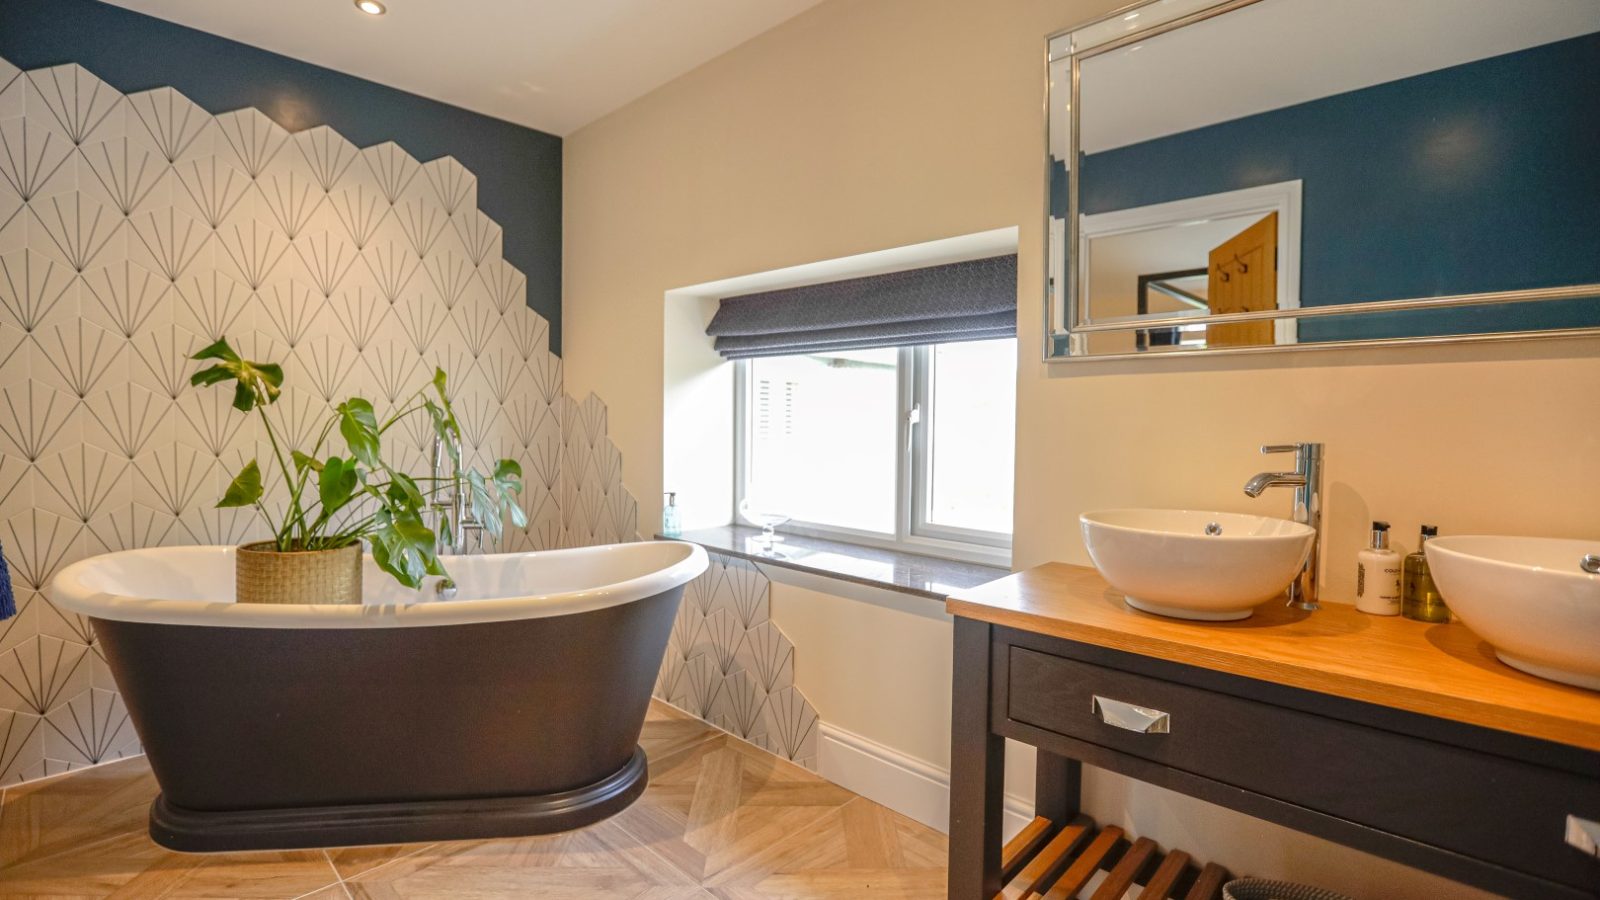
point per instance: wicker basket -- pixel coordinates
(264, 574)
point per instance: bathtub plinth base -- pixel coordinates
(406, 821)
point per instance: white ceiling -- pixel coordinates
(1281, 52)
(554, 65)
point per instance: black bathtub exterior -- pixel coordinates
(278, 738)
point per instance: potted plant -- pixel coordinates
(336, 503)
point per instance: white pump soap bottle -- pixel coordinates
(1378, 575)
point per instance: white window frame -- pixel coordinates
(913, 532)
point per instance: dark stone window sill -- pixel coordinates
(894, 570)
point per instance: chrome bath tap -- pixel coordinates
(453, 519)
(1306, 479)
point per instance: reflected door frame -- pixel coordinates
(1282, 197)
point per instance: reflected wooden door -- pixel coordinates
(1243, 277)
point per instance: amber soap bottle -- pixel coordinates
(1419, 596)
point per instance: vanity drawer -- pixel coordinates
(1456, 798)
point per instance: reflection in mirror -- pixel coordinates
(1222, 253)
(1279, 158)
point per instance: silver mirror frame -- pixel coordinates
(1065, 322)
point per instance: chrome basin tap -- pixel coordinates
(1306, 479)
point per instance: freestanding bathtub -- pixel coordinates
(513, 709)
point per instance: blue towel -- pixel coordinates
(8, 600)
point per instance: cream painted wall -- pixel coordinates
(877, 663)
(868, 124)
(859, 636)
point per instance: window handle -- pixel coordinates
(913, 419)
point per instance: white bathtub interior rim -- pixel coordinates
(195, 586)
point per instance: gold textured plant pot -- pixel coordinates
(263, 574)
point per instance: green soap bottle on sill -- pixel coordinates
(1419, 596)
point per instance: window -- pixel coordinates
(909, 447)
(823, 438)
(967, 399)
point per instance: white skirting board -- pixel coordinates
(909, 786)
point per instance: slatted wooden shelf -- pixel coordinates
(1057, 861)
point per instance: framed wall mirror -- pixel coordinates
(1257, 175)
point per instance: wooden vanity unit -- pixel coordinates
(1406, 740)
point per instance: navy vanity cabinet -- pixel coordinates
(1462, 804)
(1401, 739)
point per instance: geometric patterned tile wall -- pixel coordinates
(136, 229)
(728, 663)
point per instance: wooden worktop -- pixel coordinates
(1437, 670)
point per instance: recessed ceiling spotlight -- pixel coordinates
(371, 7)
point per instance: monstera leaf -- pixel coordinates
(358, 425)
(258, 384)
(403, 546)
(337, 480)
(443, 418)
(245, 489)
(496, 496)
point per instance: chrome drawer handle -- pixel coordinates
(1584, 835)
(1141, 719)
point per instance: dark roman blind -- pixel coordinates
(963, 301)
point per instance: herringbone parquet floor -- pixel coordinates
(721, 819)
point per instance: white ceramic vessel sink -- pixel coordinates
(1193, 564)
(1530, 598)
